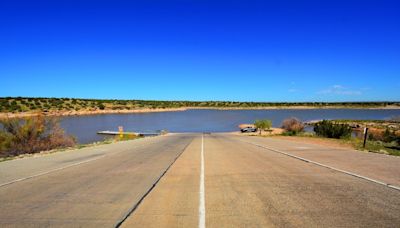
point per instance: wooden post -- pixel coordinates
(121, 131)
(365, 136)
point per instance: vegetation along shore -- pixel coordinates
(27, 106)
(383, 135)
(40, 135)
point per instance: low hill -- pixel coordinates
(72, 105)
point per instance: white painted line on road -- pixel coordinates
(50, 171)
(327, 166)
(202, 204)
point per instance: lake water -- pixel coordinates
(198, 120)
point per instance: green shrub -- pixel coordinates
(32, 135)
(5, 141)
(289, 133)
(101, 106)
(328, 129)
(390, 136)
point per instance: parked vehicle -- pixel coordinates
(248, 129)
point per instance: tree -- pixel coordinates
(101, 106)
(263, 124)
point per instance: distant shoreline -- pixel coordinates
(61, 113)
(19, 107)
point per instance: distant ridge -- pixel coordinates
(27, 104)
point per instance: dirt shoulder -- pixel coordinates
(276, 134)
(318, 141)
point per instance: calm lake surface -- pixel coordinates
(85, 127)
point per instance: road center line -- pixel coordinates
(326, 166)
(202, 207)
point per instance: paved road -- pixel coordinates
(97, 193)
(250, 186)
(247, 182)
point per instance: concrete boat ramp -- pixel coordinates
(128, 133)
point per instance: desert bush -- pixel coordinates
(32, 135)
(395, 118)
(292, 126)
(390, 136)
(289, 133)
(5, 140)
(375, 135)
(328, 129)
(101, 106)
(386, 135)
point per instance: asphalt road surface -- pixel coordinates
(195, 180)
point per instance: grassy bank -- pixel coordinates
(72, 106)
(347, 143)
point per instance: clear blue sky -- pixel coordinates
(201, 50)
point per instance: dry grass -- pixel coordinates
(338, 143)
